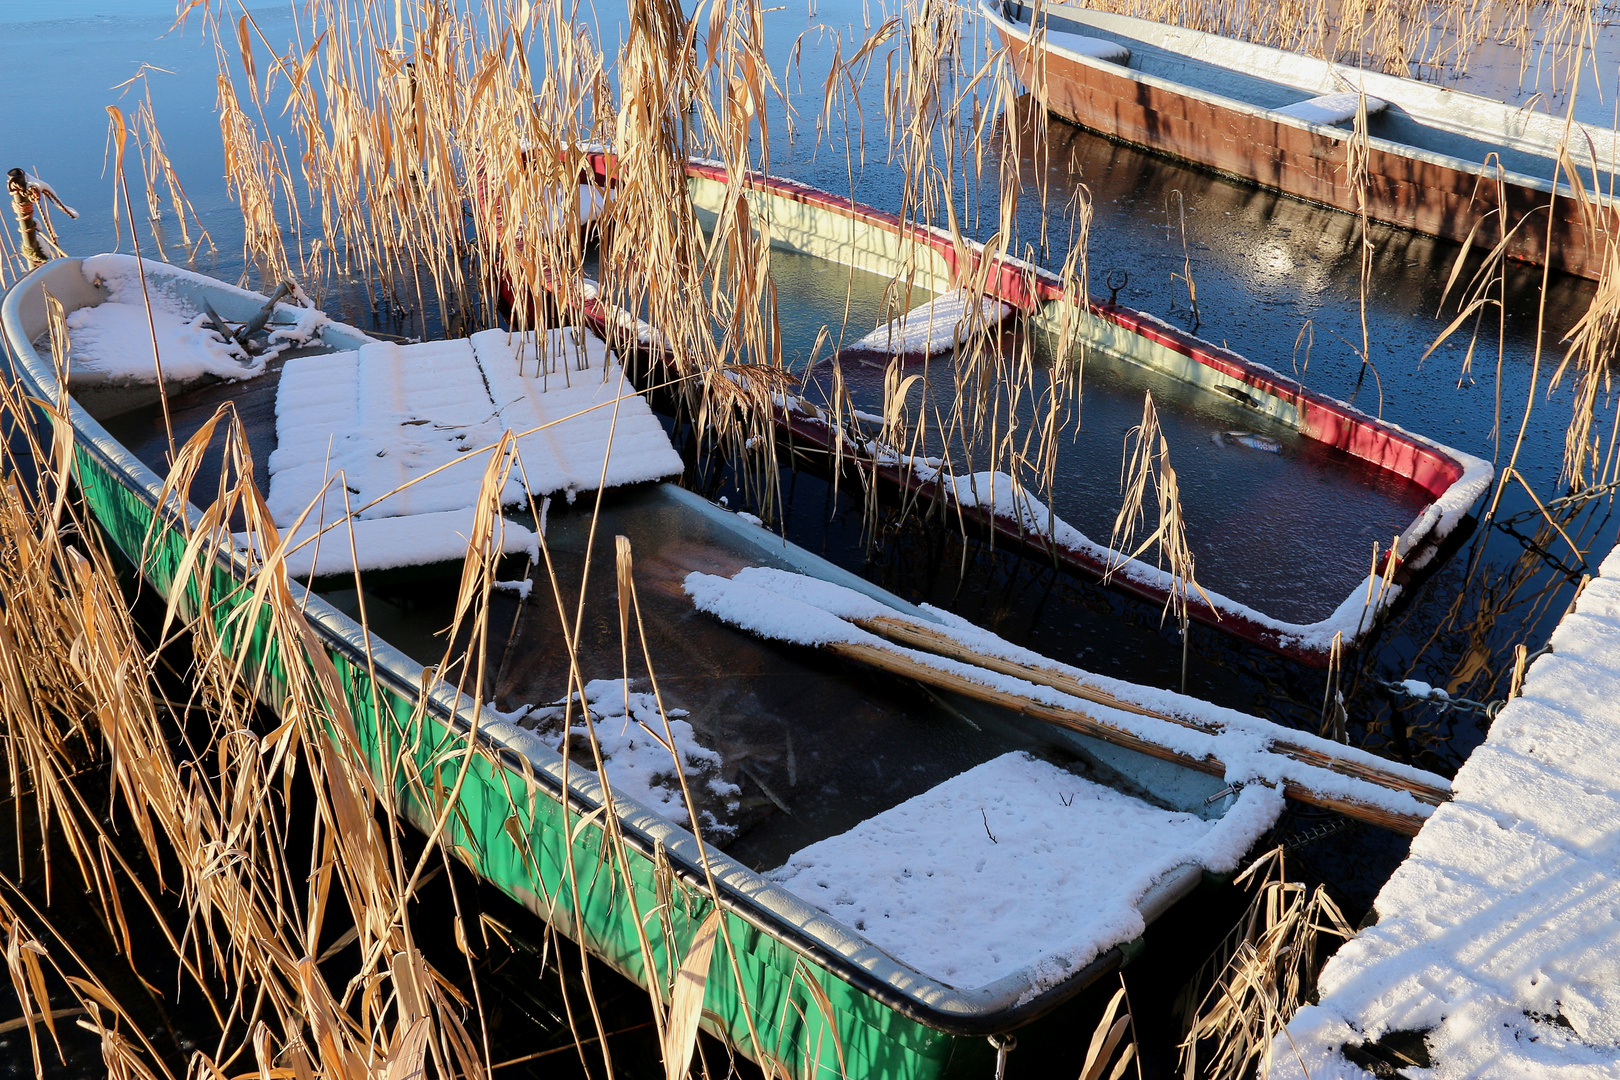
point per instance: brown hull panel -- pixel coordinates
(1404, 191)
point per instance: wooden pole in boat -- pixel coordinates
(896, 663)
(908, 632)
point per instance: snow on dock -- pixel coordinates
(1015, 863)
(408, 429)
(935, 327)
(1496, 951)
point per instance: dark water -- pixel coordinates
(1278, 522)
(1275, 279)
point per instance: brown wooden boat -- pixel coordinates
(1439, 161)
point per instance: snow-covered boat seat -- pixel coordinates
(1336, 108)
(408, 428)
(935, 327)
(1096, 48)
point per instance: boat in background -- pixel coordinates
(1213, 382)
(1438, 161)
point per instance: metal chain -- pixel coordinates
(1444, 702)
(1441, 700)
(1317, 832)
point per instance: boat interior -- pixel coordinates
(1430, 118)
(791, 747)
(1277, 521)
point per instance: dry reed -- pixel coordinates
(1260, 975)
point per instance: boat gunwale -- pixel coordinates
(1022, 32)
(1028, 287)
(996, 1007)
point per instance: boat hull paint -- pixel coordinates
(820, 1004)
(841, 230)
(1312, 161)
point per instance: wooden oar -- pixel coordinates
(896, 663)
(917, 635)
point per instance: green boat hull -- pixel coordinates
(775, 992)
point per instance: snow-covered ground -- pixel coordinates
(1499, 937)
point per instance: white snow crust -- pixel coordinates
(391, 543)
(1503, 924)
(1016, 863)
(112, 343)
(937, 326)
(568, 393)
(408, 430)
(639, 763)
(802, 610)
(1004, 497)
(1096, 48)
(1338, 108)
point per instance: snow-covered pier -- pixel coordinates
(1496, 951)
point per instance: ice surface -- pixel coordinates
(1499, 936)
(1013, 864)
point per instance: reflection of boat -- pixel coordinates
(1342, 471)
(1438, 160)
(820, 979)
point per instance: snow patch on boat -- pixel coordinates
(111, 342)
(1084, 45)
(801, 610)
(935, 327)
(1498, 939)
(640, 762)
(573, 409)
(1004, 497)
(405, 432)
(1016, 863)
(1332, 109)
(395, 542)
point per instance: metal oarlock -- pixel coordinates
(1113, 290)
